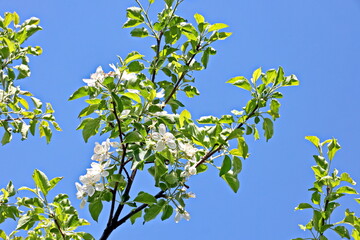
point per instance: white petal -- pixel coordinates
(177, 217)
(83, 203)
(113, 67)
(125, 112)
(192, 170)
(160, 146)
(169, 136)
(98, 149)
(186, 216)
(156, 136)
(128, 76)
(99, 187)
(181, 146)
(99, 69)
(90, 82)
(171, 144)
(162, 129)
(78, 186)
(160, 94)
(90, 190)
(115, 144)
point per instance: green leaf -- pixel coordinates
(342, 231)
(24, 71)
(135, 216)
(133, 96)
(81, 92)
(10, 44)
(302, 206)
(333, 147)
(232, 181)
(205, 57)
(25, 222)
(279, 76)
(191, 91)
(139, 32)
(10, 189)
(346, 177)
(314, 140)
(151, 212)
(346, 189)
(133, 137)
(41, 181)
(251, 106)
(6, 138)
(169, 2)
(237, 165)
(3, 235)
(315, 198)
(134, 13)
(54, 182)
(270, 76)
(118, 102)
(133, 56)
(199, 18)
(146, 198)
(167, 212)
(268, 127)
(208, 120)
(90, 128)
(226, 166)
(274, 107)
(291, 81)
(95, 208)
(240, 82)
(136, 66)
(88, 110)
(256, 75)
(184, 116)
(217, 26)
(132, 23)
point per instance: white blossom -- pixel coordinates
(116, 70)
(99, 169)
(189, 170)
(161, 93)
(188, 149)
(163, 139)
(101, 151)
(181, 213)
(128, 76)
(95, 78)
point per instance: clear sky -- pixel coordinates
(316, 40)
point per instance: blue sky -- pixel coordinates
(316, 40)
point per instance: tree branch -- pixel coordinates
(214, 150)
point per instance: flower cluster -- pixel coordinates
(90, 182)
(98, 77)
(181, 213)
(163, 139)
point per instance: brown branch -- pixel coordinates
(58, 226)
(179, 80)
(157, 57)
(125, 195)
(114, 225)
(214, 150)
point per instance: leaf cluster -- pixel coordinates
(40, 218)
(20, 111)
(329, 187)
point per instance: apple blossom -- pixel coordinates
(163, 139)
